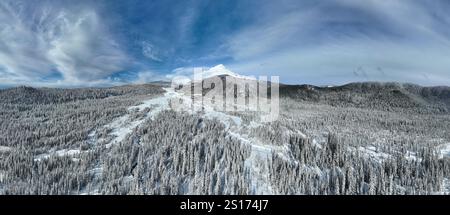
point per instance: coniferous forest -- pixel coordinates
(358, 139)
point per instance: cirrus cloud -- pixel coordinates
(43, 41)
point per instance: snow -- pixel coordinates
(59, 153)
(158, 103)
(219, 70)
(97, 171)
(258, 163)
(316, 144)
(445, 188)
(92, 191)
(181, 80)
(226, 119)
(123, 126)
(444, 150)
(2, 175)
(5, 148)
(412, 156)
(372, 152)
(92, 138)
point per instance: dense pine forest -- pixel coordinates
(361, 138)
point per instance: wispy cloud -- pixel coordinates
(42, 40)
(150, 51)
(326, 42)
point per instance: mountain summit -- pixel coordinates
(219, 70)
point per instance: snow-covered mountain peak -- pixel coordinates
(218, 71)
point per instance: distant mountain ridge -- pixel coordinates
(379, 95)
(30, 95)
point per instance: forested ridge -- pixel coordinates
(374, 95)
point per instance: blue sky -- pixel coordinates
(322, 42)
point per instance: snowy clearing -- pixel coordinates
(59, 153)
(444, 150)
(412, 156)
(123, 126)
(5, 148)
(372, 152)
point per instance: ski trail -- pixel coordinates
(122, 127)
(259, 162)
(258, 165)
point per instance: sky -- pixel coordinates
(61, 43)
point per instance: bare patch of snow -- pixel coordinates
(2, 175)
(226, 119)
(444, 150)
(258, 166)
(5, 148)
(97, 171)
(373, 153)
(59, 153)
(94, 191)
(412, 156)
(445, 188)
